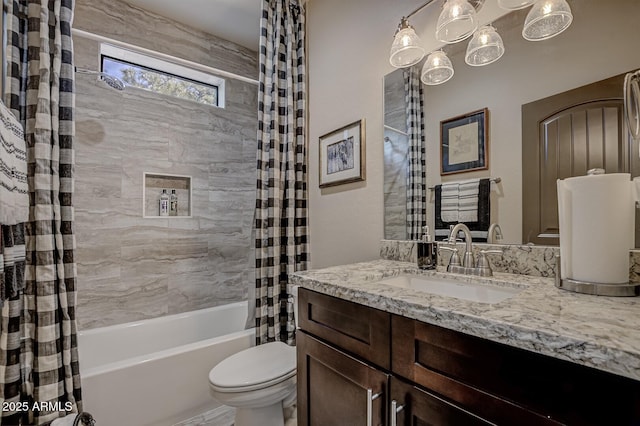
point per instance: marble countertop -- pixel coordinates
(595, 331)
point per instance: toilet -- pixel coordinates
(258, 382)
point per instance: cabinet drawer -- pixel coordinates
(520, 382)
(357, 329)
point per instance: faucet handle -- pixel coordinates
(483, 266)
(455, 257)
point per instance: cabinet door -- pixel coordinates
(417, 407)
(337, 389)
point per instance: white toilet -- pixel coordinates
(259, 382)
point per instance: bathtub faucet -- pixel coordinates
(86, 419)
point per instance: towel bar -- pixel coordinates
(493, 180)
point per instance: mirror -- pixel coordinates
(528, 71)
(404, 155)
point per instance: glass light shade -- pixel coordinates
(546, 19)
(437, 69)
(456, 22)
(406, 49)
(515, 4)
(485, 47)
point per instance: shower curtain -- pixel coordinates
(416, 170)
(39, 371)
(281, 197)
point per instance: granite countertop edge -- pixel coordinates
(594, 331)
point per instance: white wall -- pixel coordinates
(349, 43)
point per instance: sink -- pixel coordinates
(482, 293)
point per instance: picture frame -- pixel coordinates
(464, 143)
(342, 155)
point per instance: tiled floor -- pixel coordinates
(224, 416)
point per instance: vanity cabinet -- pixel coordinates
(344, 370)
(362, 366)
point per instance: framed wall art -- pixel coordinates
(342, 155)
(464, 143)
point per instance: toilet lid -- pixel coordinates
(254, 366)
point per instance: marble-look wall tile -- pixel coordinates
(130, 267)
(123, 22)
(396, 147)
(198, 290)
(107, 301)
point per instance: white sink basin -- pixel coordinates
(483, 293)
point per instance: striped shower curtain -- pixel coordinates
(416, 170)
(39, 371)
(281, 197)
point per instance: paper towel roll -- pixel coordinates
(596, 215)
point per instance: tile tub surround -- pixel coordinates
(131, 268)
(531, 260)
(599, 332)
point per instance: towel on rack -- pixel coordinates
(480, 226)
(468, 201)
(450, 199)
(14, 190)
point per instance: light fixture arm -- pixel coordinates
(419, 9)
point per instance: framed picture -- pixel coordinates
(464, 143)
(342, 155)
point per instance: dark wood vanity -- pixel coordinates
(362, 366)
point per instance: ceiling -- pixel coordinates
(234, 20)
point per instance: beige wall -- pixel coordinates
(348, 57)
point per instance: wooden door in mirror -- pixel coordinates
(565, 135)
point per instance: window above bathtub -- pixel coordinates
(161, 76)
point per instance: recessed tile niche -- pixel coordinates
(154, 183)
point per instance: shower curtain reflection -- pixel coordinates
(404, 155)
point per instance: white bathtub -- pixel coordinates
(155, 372)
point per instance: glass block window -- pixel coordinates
(157, 75)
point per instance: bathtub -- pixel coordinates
(155, 372)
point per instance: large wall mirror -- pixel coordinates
(528, 72)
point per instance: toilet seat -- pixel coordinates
(254, 368)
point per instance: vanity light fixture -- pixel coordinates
(515, 4)
(456, 22)
(437, 69)
(546, 19)
(485, 47)
(406, 49)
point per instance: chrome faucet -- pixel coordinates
(494, 234)
(467, 261)
(482, 268)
